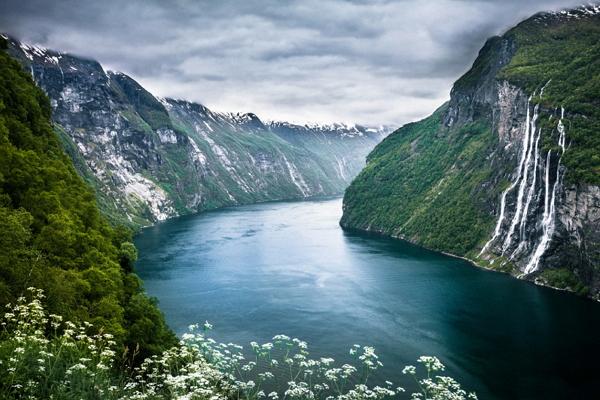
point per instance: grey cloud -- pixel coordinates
(369, 62)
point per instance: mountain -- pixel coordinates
(506, 173)
(149, 159)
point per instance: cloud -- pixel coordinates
(370, 62)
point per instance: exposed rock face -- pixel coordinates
(540, 223)
(576, 242)
(527, 211)
(493, 167)
(150, 159)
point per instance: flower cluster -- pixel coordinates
(34, 366)
(44, 357)
(436, 387)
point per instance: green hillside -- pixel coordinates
(52, 235)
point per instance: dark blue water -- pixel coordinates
(260, 270)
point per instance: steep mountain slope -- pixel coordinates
(507, 172)
(52, 235)
(151, 159)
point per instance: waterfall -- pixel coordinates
(525, 145)
(544, 87)
(548, 226)
(522, 238)
(561, 130)
(530, 130)
(547, 185)
(527, 197)
(548, 221)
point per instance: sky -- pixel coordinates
(367, 62)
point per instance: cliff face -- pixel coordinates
(150, 159)
(506, 173)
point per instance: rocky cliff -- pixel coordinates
(507, 172)
(150, 159)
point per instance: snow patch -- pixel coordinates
(167, 136)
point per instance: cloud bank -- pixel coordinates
(370, 62)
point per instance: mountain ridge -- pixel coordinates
(152, 158)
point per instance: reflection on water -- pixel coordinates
(287, 267)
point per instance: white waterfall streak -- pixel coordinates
(512, 186)
(544, 87)
(530, 193)
(548, 222)
(530, 130)
(548, 226)
(547, 184)
(561, 130)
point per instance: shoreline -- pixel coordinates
(473, 263)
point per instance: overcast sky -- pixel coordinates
(370, 62)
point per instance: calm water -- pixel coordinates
(260, 270)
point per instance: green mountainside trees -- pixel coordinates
(52, 235)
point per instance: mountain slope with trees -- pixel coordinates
(52, 235)
(507, 172)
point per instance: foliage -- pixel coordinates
(150, 111)
(52, 235)
(45, 357)
(563, 278)
(484, 64)
(422, 183)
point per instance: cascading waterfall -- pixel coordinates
(548, 222)
(547, 185)
(529, 131)
(527, 182)
(561, 130)
(512, 186)
(522, 238)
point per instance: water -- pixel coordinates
(287, 267)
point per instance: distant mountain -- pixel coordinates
(507, 173)
(150, 159)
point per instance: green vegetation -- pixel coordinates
(151, 112)
(243, 150)
(423, 183)
(563, 278)
(565, 51)
(52, 235)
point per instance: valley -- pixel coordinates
(150, 159)
(154, 248)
